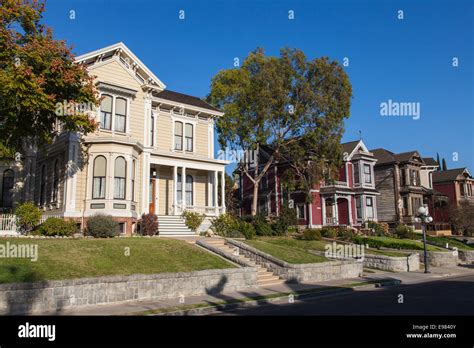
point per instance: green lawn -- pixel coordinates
(294, 250)
(67, 258)
(441, 241)
(289, 249)
(388, 242)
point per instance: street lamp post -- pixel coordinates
(425, 218)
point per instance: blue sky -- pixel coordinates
(407, 60)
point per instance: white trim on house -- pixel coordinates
(121, 46)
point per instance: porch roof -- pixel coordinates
(189, 161)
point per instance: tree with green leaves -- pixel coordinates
(38, 73)
(445, 167)
(282, 102)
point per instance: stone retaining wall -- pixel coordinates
(309, 272)
(440, 258)
(30, 298)
(466, 256)
(407, 263)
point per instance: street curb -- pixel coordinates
(253, 303)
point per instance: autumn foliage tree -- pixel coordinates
(37, 73)
(289, 103)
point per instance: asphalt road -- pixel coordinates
(449, 296)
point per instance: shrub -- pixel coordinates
(57, 227)
(292, 229)
(286, 219)
(247, 218)
(345, 233)
(262, 228)
(379, 228)
(223, 225)
(102, 226)
(193, 220)
(329, 232)
(388, 243)
(149, 225)
(246, 229)
(28, 216)
(405, 232)
(311, 234)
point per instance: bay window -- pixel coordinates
(367, 174)
(99, 175)
(369, 208)
(119, 178)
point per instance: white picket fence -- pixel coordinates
(8, 225)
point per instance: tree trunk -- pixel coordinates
(255, 198)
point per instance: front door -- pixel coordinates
(152, 195)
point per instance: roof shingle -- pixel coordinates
(448, 175)
(185, 99)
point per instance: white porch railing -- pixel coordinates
(331, 221)
(336, 184)
(206, 210)
(8, 224)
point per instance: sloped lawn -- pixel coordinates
(289, 249)
(441, 242)
(67, 258)
(394, 243)
(296, 251)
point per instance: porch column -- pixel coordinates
(223, 191)
(349, 206)
(323, 211)
(175, 190)
(145, 182)
(216, 203)
(335, 211)
(183, 188)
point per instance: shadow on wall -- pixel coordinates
(21, 302)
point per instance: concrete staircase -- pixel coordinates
(173, 226)
(264, 276)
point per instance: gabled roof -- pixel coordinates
(351, 147)
(150, 81)
(406, 156)
(126, 54)
(450, 174)
(185, 99)
(430, 161)
(385, 156)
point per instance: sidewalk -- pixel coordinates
(267, 294)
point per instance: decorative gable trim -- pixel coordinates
(116, 89)
(147, 79)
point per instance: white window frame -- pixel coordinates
(373, 218)
(112, 121)
(298, 205)
(184, 121)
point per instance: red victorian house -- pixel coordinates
(350, 200)
(456, 183)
